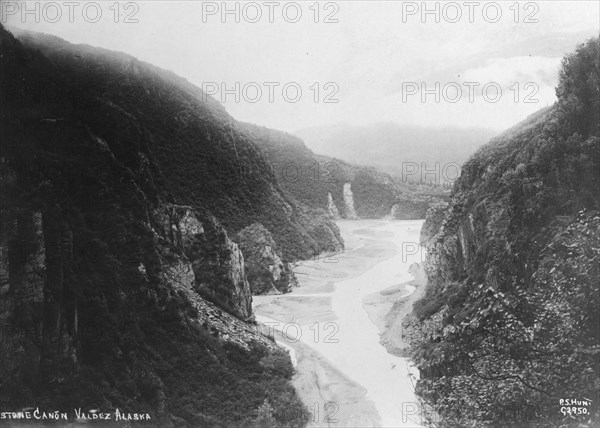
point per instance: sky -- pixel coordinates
(295, 65)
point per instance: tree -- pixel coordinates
(265, 418)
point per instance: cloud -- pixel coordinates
(369, 54)
(520, 70)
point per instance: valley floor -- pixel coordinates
(388, 309)
(333, 323)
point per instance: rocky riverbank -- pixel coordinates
(388, 309)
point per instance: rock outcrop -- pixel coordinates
(394, 211)
(317, 180)
(212, 264)
(267, 273)
(119, 285)
(513, 280)
(332, 209)
(433, 223)
(349, 202)
(207, 315)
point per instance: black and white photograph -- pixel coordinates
(290, 214)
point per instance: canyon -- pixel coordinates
(326, 314)
(158, 257)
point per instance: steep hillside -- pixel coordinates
(510, 323)
(120, 288)
(433, 221)
(204, 156)
(320, 181)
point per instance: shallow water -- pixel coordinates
(379, 256)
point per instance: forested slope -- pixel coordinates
(120, 287)
(203, 155)
(312, 179)
(510, 323)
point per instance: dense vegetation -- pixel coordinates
(311, 178)
(95, 147)
(510, 322)
(205, 157)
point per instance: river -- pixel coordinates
(326, 314)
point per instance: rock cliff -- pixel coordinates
(211, 263)
(332, 208)
(199, 152)
(114, 293)
(349, 202)
(513, 270)
(267, 273)
(433, 223)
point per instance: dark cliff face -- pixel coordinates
(267, 273)
(433, 223)
(210, 262)
(114, 294)
(202, 153)
(511, 306)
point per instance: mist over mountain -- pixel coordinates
(339, 188)
(400, 150)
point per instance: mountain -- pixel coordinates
(415, 154)
(201, 152)
(510, 322)
(124, 189)
(339, 188)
